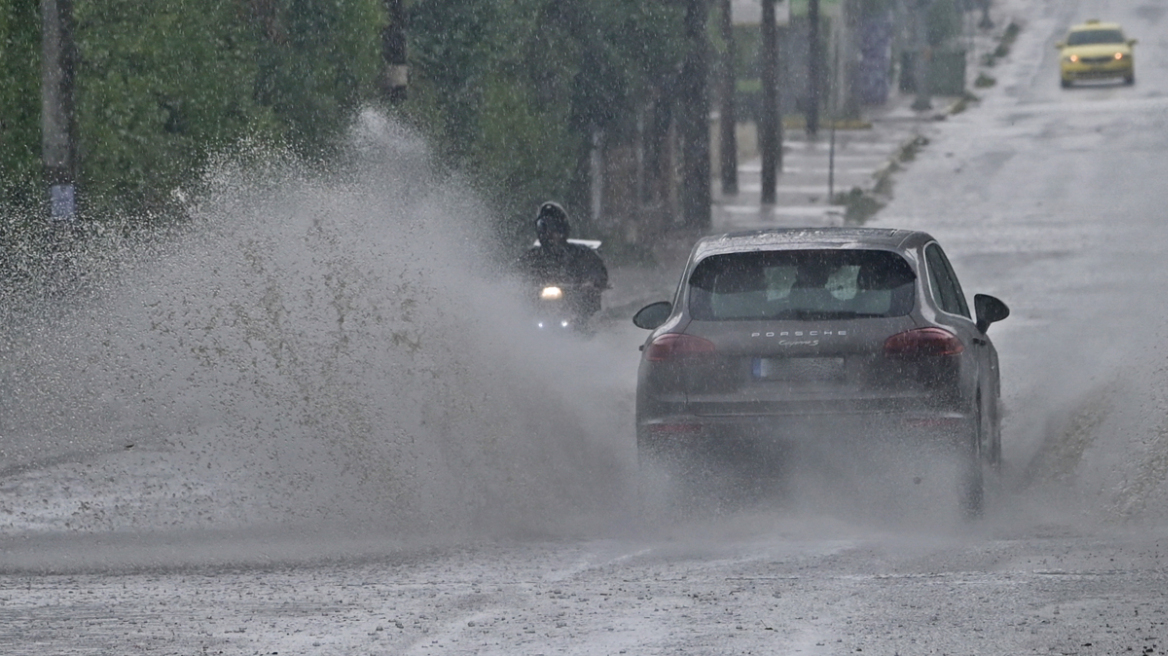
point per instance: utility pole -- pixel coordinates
(58, 127)
(396, 72)
(814, 54)
(694, 119)
(728, 122)
(770, 137)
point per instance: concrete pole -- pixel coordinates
(58, 126)
(770, 139)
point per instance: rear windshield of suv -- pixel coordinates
(801, 285)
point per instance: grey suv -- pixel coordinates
(776, 337)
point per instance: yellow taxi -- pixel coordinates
(1096, 50)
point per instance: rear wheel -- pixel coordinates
(1129, 79)
(1065, 83)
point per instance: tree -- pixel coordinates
(20, 103)
(516, 91)
(162, 84)
(317, 61)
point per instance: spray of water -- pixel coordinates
(323, 347)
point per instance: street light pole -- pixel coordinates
(58, 126)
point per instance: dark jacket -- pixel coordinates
(573, 264)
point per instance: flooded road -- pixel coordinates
(285, 459)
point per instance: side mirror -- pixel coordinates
(1060, 45)
(1132, 42)
(653, 315)
(989, 310)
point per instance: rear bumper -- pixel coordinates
(1096, 72)
(766, 436)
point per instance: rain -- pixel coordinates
(276, 387)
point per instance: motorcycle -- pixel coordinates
(564, 308)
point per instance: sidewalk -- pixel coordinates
(816, 172)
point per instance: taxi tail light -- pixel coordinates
(923, 342)
(1119, 55)
(673, 346)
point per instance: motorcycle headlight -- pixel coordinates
(551, 294)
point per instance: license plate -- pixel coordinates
(799, 369)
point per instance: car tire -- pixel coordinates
(972, 471)
(1065, 83)
(1129, 80)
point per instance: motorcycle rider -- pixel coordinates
(556, 261)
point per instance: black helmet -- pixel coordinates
(552, 218)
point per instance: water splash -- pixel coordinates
(315, 346)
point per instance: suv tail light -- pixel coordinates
(923, 342)
(671, 346)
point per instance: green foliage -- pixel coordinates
(163, 84)
(20, 102)
(514, 90)
(159, 87)
(317, 60)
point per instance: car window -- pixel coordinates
(1090, 37)
(942, 280)
(801, 284)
